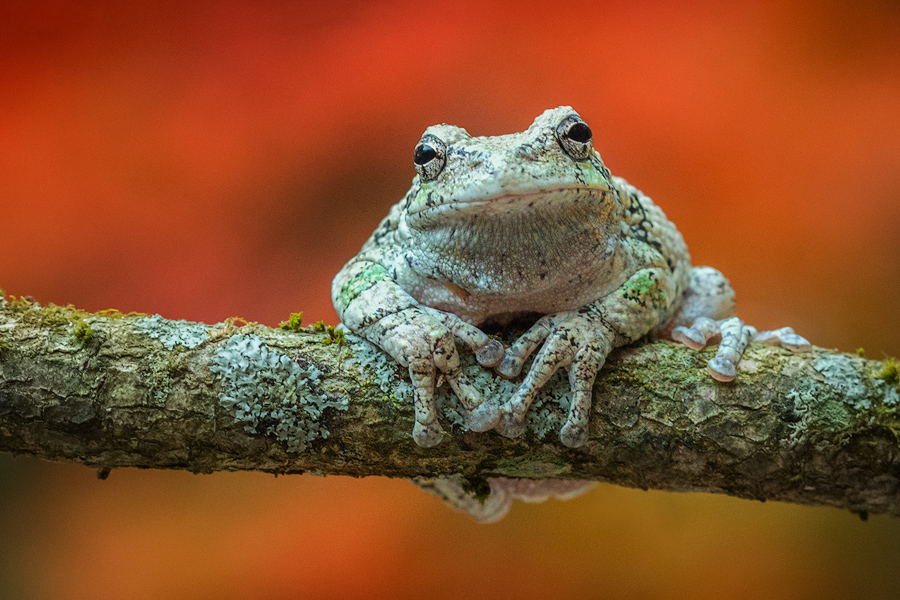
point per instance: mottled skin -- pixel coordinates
(529, 223)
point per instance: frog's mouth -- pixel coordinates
(544, 202)
(489, 245)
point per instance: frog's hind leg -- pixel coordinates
(490, 503)
(707, 315)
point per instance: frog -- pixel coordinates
(530, 224)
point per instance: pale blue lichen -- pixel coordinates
(271, 394)
(841, 373)
(187, 334)
(545, 417)
(490, 386)
(841, 402)
(802, 397)
(891, 398)
(389, 375)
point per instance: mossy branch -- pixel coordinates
(109, 390)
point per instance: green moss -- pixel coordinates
(885, 412)
(66, 318)
(335, 335)
(685, 369)
(3, 348)
(888, 419)
(293, 323)
(115, 313)
(861, 352)
(82, 331)
(891, 371)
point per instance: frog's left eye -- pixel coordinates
(575, 137)
(430, 157)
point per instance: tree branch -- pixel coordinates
(109, 390)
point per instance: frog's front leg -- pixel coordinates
(372, 305)
(581, 341)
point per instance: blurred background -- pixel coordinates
(206, 160)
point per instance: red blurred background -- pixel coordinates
(212, 159)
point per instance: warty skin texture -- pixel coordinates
(529, 223)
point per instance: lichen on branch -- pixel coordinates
(113, 390)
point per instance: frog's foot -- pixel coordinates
(698, 334)
(735, 336)
(784, 337)
(489, 353)
(574, 340)
(418, 338)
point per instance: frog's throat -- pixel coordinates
(529, 248)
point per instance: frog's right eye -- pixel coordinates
(430, 157)
(575, 137)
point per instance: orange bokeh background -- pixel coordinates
(214, 159)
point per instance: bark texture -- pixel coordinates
(110, 390)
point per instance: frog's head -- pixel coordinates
(549, 169)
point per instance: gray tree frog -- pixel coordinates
(529, 223)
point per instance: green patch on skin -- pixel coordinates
(82, 331)
(272, 395)
(293, 323)
(644, 289)
(369, 274)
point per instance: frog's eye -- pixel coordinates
(575, 137)
(430, 157)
